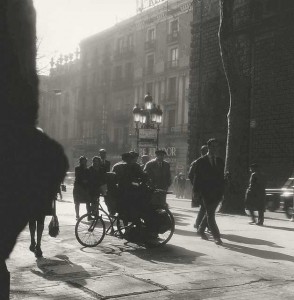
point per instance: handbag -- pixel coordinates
(54, 223)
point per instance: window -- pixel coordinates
(129, 70)
(130, 41)
(174, 27)
(171, 120)
(150, 63)
(151, 34)
(118, 73)
(174, 54)
(172, 89)
(120, 45)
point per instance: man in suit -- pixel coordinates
(104, 167)
(208, 181)
(158, 173)
(196, 198)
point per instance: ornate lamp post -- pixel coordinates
(147, 118)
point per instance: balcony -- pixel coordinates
(124, 53)
(173, 37)
(150, 45)
(172, 64)
(149, 70)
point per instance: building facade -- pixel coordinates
(58, 103)
(146, 53)
(266, 46)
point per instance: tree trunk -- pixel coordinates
(238, 78)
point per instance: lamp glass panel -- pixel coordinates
(159, 119)
(153, 117)
(148, 105)
(144, 119)
(137, 117)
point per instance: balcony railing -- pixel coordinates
(149, 70)
(173, 37)
(150, 45)
(126, 52)
(172, 64)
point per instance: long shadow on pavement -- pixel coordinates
(167, 254)
(259, 253)
(59, 269)
(181, 219)
(246, 240)
(279, 228)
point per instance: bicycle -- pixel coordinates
(91, 233)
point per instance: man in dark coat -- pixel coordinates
(255, 195)
(159, 176)
(209, 183)
(196, 198)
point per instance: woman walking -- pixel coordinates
(81, 186)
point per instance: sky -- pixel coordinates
(62, 24)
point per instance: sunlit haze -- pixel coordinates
(62, 24)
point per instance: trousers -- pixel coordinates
(209, 218)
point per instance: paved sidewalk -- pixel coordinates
(255, 262)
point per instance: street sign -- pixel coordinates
(150, 134)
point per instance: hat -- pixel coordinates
(102, 150)
(254, 165)
(83, 158)
(134, 154)
(126, 156)
(160, 151)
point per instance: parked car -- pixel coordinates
(281, 198)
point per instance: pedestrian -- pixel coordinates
(181, 185)
(81, 186)
(159, 176)
(36, 224)
(255, 195)
(208, 181)
(95, 181)
(144, 160)
(196, 197)
(176, 185)
(104, 167)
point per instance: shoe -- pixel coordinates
(38, 252)
(218, 241)
(32, 247)
(91, 218)
(259, 224)
(202, 235)
(251, 223)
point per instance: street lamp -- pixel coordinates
(147, 117)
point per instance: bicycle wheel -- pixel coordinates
(164, 236)
(90, 233)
